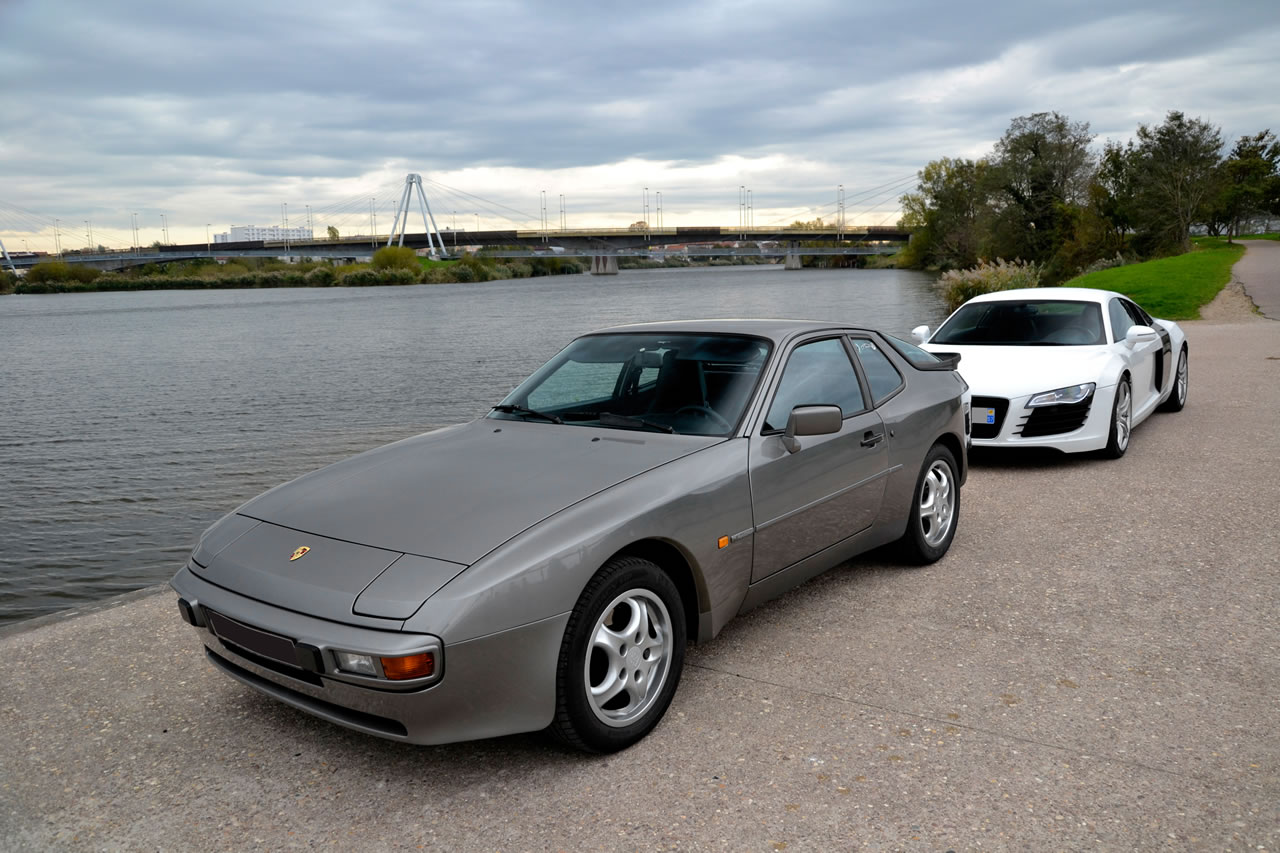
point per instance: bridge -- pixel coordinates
(602, 245)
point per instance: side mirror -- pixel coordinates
(811, 420)
(920, 333)
(1139, 335)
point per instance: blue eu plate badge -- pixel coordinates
(990, 415)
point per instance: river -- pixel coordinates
(129, 422)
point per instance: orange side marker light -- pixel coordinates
(723, 542)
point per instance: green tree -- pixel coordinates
(1175, 173)
(332, 231)
(1248, 177)
(950, 210)
(1042, 167)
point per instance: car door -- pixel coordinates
(1162, 359)
(831, 487)
(1141, 359)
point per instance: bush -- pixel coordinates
(378, 278)
(959, 286)
(8, 281)
(50, 271)
(396, 258)
(321, 277)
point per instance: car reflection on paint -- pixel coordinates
(543, 567)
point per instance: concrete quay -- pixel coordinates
(1096, 664)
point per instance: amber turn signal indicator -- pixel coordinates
(723, 542)
(412, 666)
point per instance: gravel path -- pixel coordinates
(1259, 272)
(1096, 664)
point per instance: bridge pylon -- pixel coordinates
(413, 181)
(5, 253)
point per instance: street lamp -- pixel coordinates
(208, 246)
(477, 222)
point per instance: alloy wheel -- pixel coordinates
(1124, 411)
(937, 503)
(629, 658)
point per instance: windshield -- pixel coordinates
(687, 384)
(1023, 323)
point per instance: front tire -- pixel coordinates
(935, 509)
(1121, 420)
(1181, 381)
(621, 657)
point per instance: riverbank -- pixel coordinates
(391, 266)
(1108, 681)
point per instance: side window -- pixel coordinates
(882, 376)
(1120, 319)
(817, 374)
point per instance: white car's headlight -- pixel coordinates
(1062, 396)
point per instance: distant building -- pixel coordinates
(243, 233)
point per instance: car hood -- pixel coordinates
(1022, 370)
(458, 493)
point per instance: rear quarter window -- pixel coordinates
(882, 376)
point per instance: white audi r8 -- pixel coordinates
(1069, 368)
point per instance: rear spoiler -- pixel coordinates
(946, 361)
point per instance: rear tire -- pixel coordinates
(1181, 381)
(1121, 420)
(935, 509)
(621, 657)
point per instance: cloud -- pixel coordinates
(222, 113)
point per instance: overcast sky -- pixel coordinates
(219, 113)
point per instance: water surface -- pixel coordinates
(129, 422)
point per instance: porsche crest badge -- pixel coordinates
(298, 553)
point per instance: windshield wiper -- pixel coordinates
(509, 409)
(631, 420)
(610, 419)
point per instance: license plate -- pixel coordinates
(989, 415)
(261, 642)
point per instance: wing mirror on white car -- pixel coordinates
(920, 333)
(1139, 335)
(811, 420)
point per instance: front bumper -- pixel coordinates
(498, 684)
(1013, 417)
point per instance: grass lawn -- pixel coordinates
(1172, 288)
(1258, 236)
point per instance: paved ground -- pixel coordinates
(1259, 270)
(1095, 664)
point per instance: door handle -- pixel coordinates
(870, 438)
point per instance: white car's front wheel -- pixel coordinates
(1121, 420)
(1181, 379)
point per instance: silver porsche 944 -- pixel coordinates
(543, 567)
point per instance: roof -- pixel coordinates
(774, 329)
(1065, 294)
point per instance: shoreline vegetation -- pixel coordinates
(391, 266)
